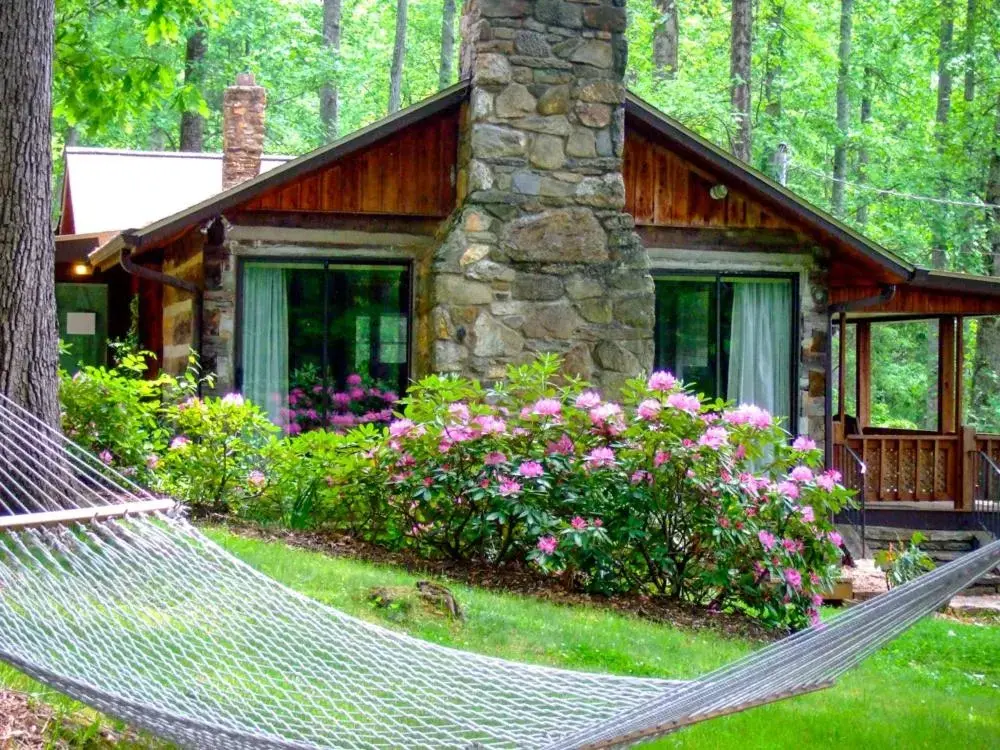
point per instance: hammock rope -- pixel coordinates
(146, 619)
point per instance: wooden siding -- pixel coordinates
(409, 173)
(664, 189)
(909, 300)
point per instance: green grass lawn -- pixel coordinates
(937, 686)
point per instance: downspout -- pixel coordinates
(131, 268)
(886, 295)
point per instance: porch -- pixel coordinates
(902, 469)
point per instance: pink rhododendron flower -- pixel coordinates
(491, 425)
(807, 513)
(661, 458)
(232, 399)
(342, 420)
(256, 479)
(825, 481)
(638, 477)
(649, 409)
(714, 438)
(444, 446)
(740, 453)
(578, 523)
(401, 428)
(356, 394)
(835, 538)
(788, 489)
(105, 456)
(547, 407)
(547, 544)
(748, 414)
(318, 388)
(509, 487)
(814, 618)
(457, 434)
(341, 400)
(804, 443)
(792, 545)
(684, 402)
(459, 412)
(293, 428)
(390, 396)
(596, 523)
(354, 379)
(178, 442)
(563, 445)
(801, 474)
(601, 415)
(793, 578)
(588, 400)
(601, 456)
(406, 460)
(495, 459)
(766, 539)
(661, 381)
(530, 469)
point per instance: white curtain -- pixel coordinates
(761, 347)
(265, 338)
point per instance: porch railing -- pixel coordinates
(909, 466)
(987, 499)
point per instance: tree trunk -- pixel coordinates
(28, 351)
(985, 392)
(866, 117)
(329, 96)
(398, 53)
(192, 123)
(447, 44)
(739, 73)
(970, 51)
(843, 107)
(666, 39)
(945, 42)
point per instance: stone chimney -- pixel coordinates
(242, 130)
(541, 256)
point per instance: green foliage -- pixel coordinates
(905, 562)
(214, 461)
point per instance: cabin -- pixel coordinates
(538, 205)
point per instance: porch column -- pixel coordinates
(863, 335)
(946, 375)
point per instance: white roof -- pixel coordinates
(116, 190)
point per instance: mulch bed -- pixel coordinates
(513, 578)
(22, 722)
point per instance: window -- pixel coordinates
(309, 327)
(729, 336)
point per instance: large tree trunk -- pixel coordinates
(398, 53)
(329, 96)
(666, 39)
(28, 351)
(843, 107)
(970, 50)
(985, 392)
(447, 44)
(739, 73)
(192, 123)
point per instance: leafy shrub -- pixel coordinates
(658, 494)
(314, 405)
(215, 461)
(904, 563)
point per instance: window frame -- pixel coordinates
(716, 276)
(326, 261)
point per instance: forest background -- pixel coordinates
(889, 111)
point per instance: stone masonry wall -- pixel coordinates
(540, 256)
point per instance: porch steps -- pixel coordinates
(942, 546)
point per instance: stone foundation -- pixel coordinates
(540, 256)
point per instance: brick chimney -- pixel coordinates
(242, 130)
(540, 256)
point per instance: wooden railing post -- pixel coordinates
(967, 469)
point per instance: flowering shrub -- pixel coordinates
(659, 493)
(115, 413)
(214, 460)
(313, 405)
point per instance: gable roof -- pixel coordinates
(158, 231)
(107, 190)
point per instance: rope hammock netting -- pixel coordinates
(145, 619)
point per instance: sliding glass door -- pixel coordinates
(324, 343)
(730, 337)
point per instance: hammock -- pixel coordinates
(112, 598)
